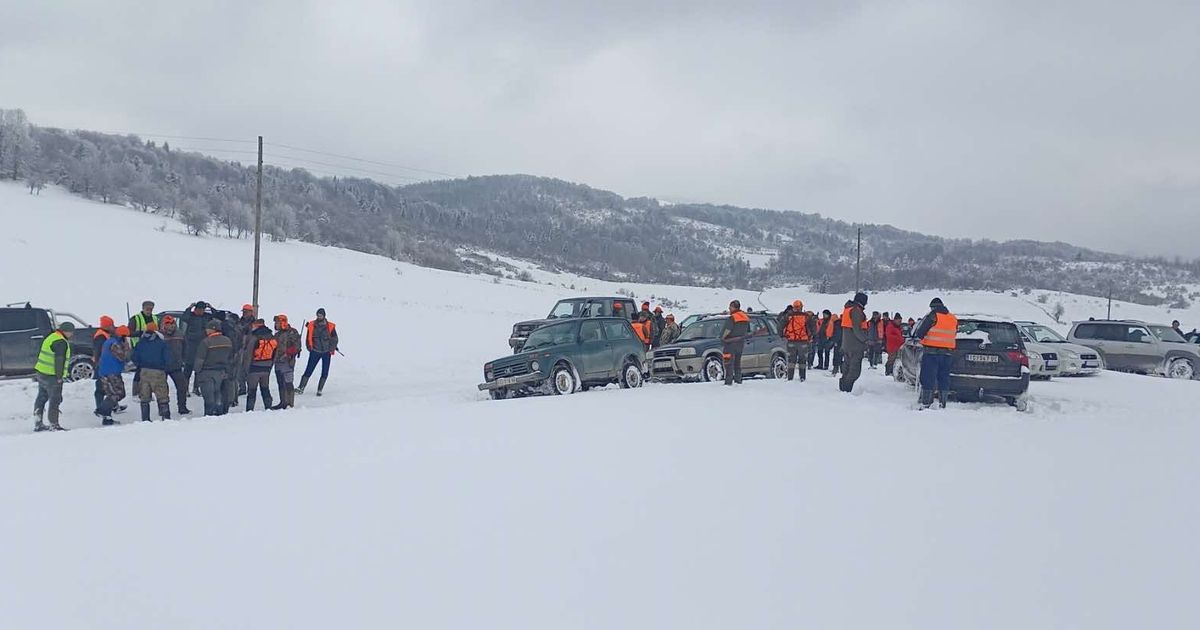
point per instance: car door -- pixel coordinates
(1103, 338)
(595, 350)
(622, 341)
(756, 345)
(22, 331)
(1142, 348)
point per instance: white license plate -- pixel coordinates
(983, 358)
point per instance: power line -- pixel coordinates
(348, 157)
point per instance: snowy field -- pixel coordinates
(403, 498)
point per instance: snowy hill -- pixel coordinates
(404, 499)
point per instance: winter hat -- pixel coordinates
(798, 305)
(106, 322)
(936, 302)
(151, 327)
(247, 307)
(148, 304)
(861, 299)
(657, 309)
(670, 317)
(122, 331)
(213, 325)
(168, 320)
(66, 327)
(735, 305)
(646, 305)
(321, 312)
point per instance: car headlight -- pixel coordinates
(687, 352)
(489, 376)
(534, 367)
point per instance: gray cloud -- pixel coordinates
(1063, 121)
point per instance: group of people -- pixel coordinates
(652, 327)
(841, 343)
(210, 353)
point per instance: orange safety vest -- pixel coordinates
(739, 316)
(309, 337)
(797, 328)
(264, 350)
(829, 327)
(943, 333)
(879, 328)
(643, 331)
(849, 323)
(101, 333)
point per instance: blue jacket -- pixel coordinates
(152, 352)
(110, 364)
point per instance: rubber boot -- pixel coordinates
(926, 398)
(291, 396)
(145, 412)
(303, 384)
(791, 371)
(183, 410)
(38, 423)
(250, 400)
(803, 374)
(164, 411)
(941, 400)
(321, 385)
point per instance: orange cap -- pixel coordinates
(151, 326)
(106, 321)
(168, 319)
(122, 331)
(797, 304)
(247, 307)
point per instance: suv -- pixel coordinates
(565, 357)
(697, 354)
(1073, 359)
(1135, 346)
(571, 308)
(22, 330)
(989, 360)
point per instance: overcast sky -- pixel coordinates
(1074, 121)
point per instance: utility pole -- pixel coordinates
(858, 264)
(257, 225)
(1109, 302)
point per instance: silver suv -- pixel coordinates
(1135, 346)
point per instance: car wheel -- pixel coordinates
(779, 367)
(631, 376)
(81, 369)
(714, 370)
(898, 374)
(498, 394)
(562, 381)
(1181, 368)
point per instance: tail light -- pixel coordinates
(1016, 356)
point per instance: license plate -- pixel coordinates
(983, 358)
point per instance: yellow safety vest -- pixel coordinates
(45, 362)
(140, 320)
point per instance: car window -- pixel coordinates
(18, 319)
(757, 326)
(773, 326)
(567, 308)
(618, 330)
(1166, 333)
(590, 331)
(1138, 334)
(551, 336)
(1086, 331)
(704, 329)
(997, 333)
(1043, 334)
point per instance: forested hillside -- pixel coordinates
(560, 225)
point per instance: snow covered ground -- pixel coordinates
(403, 498)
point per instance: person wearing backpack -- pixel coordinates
(260, 358)
(799, 332)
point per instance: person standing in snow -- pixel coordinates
(798, 331)
(657, 323)
(321, 341)
(733, 342)
(261, 348)
(854, 341)
(107, 329)
(287, 341)
(670, 331)
(211, 364)
(53, 360)
(195, 324)
(824, 339)
(644, 330)
(938, 332)
(176, 344)
(152, 356)
(874, 339)
(893, 341)
(112, 368)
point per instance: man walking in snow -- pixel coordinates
(854, 341)
(53, 360)
(938, 332)
(321, 341)
(288, 348)
(733, 342)
(152, 357)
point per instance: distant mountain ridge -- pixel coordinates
(562, 225)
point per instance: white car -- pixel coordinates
(1072, 359)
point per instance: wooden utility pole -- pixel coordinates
(858, 264)
(1109, 302)
(257, 225)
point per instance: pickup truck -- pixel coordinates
(571, 308)
(22, 330)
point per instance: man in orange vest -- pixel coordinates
(854, 341)
(799, 331)
(321, 341)
(261, 347)
(825, 329)
(938, 332)
(733, 342)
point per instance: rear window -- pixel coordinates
(18, 319)
(999, 333)
(1096, 331)
(618, 330)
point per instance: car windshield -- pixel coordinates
(550, 336)
(567, 308)
(1166, 333)
(708, 329)
(994, 333)
(1043, 334)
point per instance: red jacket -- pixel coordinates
(893, 337)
